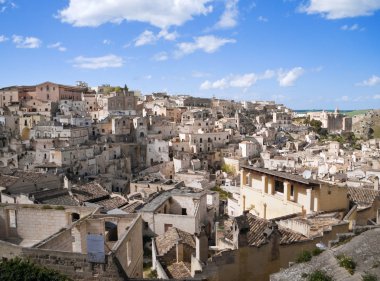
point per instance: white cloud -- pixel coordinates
(162, 56)
(159, 13)
(207, 43)
(26, 42)
(108, 61)
(237, 81)
(376, 97)
(285, 79)
(350, 27)
(288, 78)
(338, 9)
(107, 42)
(58, 46)
(148, 37)
(3, 38)
(229, 16)
(372, 81)
(343, 98)
(145, 38)
(170, 36)
(199, 74)
(262, 19)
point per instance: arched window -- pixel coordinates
(75, 217)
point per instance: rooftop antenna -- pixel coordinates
(306, 174)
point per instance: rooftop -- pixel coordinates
(284, 175)
(258, 226)
(169, 239)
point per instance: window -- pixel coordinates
(75, 217)
(292, 190)
(166, 226)
(12, 219)
(184, 212)
(129, 252)
(278, 186)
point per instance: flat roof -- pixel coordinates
(284, 175)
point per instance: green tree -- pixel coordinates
(24, 270)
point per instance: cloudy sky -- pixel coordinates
(303, 53)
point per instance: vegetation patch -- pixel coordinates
(303, 256)
(59, 208)
(319, 275)
(18, 269)
(229, 169)
(223, 195)
(316, 252)
(369, 277)
(347, 262)
(45, 207)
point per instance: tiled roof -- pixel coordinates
(64, 200)
(6, 180)
(89, 192)
(132, 207)
(54, 197)
(179, 270)
(363, 196)
(168, 240)
(112, 203)
(257, 227)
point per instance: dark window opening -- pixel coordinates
(75, 217)
(278, 186)
(184, 211)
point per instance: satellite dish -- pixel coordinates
(306, 174)
(332, 170)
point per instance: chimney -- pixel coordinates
(376, 184)
(66, 183)
(201, 246)
(179, 250)
(241, 230)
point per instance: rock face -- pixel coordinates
(367, 125)
(364, 249)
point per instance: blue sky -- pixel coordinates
(305, 54)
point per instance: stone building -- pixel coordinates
(269, 194)
(334, 122)
(76, 241)
(182, 208)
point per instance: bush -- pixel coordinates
(229, 169)
(23, 270)
(316, 251)
(319, 275)
(304, 256)
(45, 207)
(369, 277)
(61, 208)
(347, 262)
(153, 274)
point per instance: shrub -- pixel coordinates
(45, 207)
(304, 256)
(18, 269)
(316, 251)
(369, 277)
(61, 208)
(319, 275)
(153, 274)
(347, 262)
